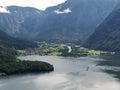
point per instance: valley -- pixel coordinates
(68, 50)
(74, 45)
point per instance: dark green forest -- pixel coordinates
(10, 65)
(107, 35)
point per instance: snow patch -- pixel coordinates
(65, 11)
(4, 10)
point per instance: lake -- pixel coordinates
(70, 73)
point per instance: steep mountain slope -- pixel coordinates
(13, 42)
(107, 35)
(74, 20)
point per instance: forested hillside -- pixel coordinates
(107, 35)
(8, 61)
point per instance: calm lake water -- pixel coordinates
(82, 73)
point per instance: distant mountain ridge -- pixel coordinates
(72, 21)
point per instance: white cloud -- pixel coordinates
(4, 10)
(63, 12)
(39, 4)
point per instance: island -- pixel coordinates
(9, 65)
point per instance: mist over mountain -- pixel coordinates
(71, 21)
(12, 42)
(107, 35)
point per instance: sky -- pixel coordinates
(39, 4)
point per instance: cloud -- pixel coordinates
(4, 10)
(39, 4)
(63, 12)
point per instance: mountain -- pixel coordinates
(74, 20)
(71, 21)
(107, 35)
(13, 22)
(9, 41)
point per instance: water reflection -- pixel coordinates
(111, 65)
(69, 74)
